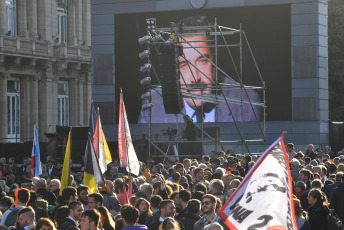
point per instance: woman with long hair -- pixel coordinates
(301, 221)
(106, 221)
(318, 210)
(169, 224)
(143, 206)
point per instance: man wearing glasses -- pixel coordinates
(54, 186)
(208, 208)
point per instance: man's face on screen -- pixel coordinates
(196, 73)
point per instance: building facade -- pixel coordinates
(45, 66)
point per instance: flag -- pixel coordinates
(66, 164)
(36, 167)
(93, 121)
(92, 172)
(101, 147)
(99, 144)
(264, 199)
(126, 151)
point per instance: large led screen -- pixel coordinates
(267, 30)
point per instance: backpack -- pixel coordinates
(12, 217)
(333, 221)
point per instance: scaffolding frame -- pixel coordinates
(177, 36)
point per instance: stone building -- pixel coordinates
(45, 66)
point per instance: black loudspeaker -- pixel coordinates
(169, 70)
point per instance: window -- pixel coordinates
(13, 109)
(11, 14)
(63, 104)
(62, 20)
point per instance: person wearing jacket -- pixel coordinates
(337, 200)
(130, 217)
(318, 210)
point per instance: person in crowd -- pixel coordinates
(301, 221)
(90, 220)
(299, 189)
(110, 201)
(147, 189)
(318, 210)
(169, 224)
(338, 181)
(184, 197)
(23, 199)
(45, 224)
(44, 192)
(82, 193)
(192, 215)
(216, 188)
(95, 200)
(337, 199)
(75, 210)
(295, 169)
(310, 152)
(291, 151)
(26, 219)
(208, 208)
(167, 209)
(305, 175)
(130, 217)
(106, 220)
(143, 206)
(54, 186)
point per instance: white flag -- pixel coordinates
(264, 200)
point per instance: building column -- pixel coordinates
(86, 22)
(22, 19)
(32, 17)
(78, 20)
(87, 97)
(81, 101)
(71, 22)
(3, 107)
(3, 17)
(25, 107)
(34, 102)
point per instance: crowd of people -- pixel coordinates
(168, 195)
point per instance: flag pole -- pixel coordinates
(98, 121)
(126, 143)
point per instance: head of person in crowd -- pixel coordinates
(6, 202)
(168, 164)
(147, 189)
(179, 168)
(169, 223)
(234, 184)
(176, 177)
(201, 187)
(130, 215)
(69, 194)
(213, 226)
(216, 187)
(194, 207)
(310, 148)
(110, 189)
(106, 219)
(95, 200)
(295, 163)
(45, 224)
(199, 174)
(315, 196)
(167, 208)
(23, 197)
(41, 183)
(305, 175)
(215, 162)
(26, 217)
(61, 213)
(89, 220)
(155, 202)
(316, 183)
(82, 193)
(54, 184)
(75, 209)
(27, 183)
(208, 204)
(184, 197)
(175, 197)
(143, 206)
(187, 164)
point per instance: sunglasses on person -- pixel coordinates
(206, 203)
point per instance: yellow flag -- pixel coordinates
(66, 162)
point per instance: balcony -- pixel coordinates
(27, 48)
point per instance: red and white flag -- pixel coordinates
(126, 151)
(264, 199)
